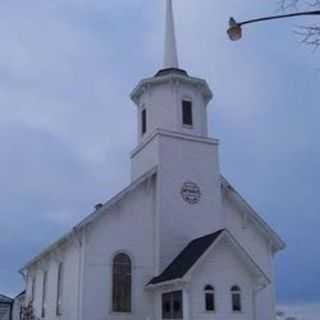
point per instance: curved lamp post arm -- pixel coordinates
(235, 28)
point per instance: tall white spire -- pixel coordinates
(170, 47)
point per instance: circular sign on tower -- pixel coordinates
(190, 192)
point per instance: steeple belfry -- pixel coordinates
(170, 103)
(170, 46)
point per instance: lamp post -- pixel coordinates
(235, 28)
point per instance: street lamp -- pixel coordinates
(235, 28)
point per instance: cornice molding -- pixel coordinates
(171, 134)
(176, 79)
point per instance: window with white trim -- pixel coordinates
(187, 118)
(209, 296)
(172, 305)
(143, 121)
(59, 289)
(236, 299)
(33, 288)
(122, 286)
(44, 294)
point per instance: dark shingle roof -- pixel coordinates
(186, 259)
(165, 72)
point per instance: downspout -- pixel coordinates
(82, 243)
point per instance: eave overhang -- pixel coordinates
(74, 233)
(171, 75)
(276, 243)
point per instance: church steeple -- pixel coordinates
(170, 102)
(170, 60)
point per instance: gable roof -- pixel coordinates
(276, 241)
(186, 259)
(93, 216)
(193, 254)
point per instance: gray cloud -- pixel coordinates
(67, 125)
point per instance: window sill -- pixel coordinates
(121, 314)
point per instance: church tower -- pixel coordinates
(173, 136)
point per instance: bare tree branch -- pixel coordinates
(310, 34)
(288, 4)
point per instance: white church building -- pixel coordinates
(179, 242)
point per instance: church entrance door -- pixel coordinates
(172, 305)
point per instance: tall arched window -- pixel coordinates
(44, 294)
(209, 298)
(59, 289)
(33, 288)
(236, 299)
(121, 288)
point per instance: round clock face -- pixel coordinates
(190, 192)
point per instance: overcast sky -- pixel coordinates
(67, 125)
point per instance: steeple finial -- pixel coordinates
(170, 53)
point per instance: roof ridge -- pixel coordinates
(93, 215)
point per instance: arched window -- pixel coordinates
(209, 298)
(236, 299)
(59, 289)
(44, 294)
(121, 289)
(33, 288)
